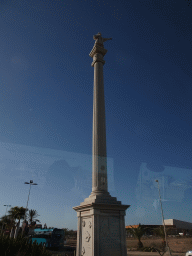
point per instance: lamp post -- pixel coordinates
(167, 247)
(7, 205)
(30, 183)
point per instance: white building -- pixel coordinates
(179, 224)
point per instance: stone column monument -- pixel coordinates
(101, 224)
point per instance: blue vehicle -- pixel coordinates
(48, 237)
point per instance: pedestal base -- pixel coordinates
(101, 229)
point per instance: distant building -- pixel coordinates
(149, 230)
(173, 226)
(38, 226)
(179, 224)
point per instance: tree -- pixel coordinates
(6, 222)
(138, 233)
(17, 213)
(69, 232)
(160, 232)
(31, 216)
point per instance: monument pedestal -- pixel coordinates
(101, 227)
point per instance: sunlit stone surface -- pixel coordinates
(101, 224)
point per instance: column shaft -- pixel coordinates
(99, 154)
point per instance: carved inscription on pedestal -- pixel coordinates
(109, 236)
(87, 236)
(83, 251)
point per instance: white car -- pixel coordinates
(189, 253)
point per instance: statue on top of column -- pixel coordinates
(99, 40)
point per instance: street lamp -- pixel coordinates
(30, 183)
(163, 218)
(7, 205)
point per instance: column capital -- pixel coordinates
(97, 53)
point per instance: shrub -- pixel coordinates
(149, 249)
(20, 247)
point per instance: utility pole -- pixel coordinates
(167, 247)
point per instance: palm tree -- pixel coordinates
(138, 233)
(31, 216)
(6, 222)
(17, 213)
(160, 232)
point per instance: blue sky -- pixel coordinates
(46, 99)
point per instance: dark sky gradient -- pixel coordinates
(46, 100)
